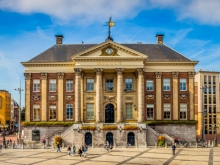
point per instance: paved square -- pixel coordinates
(118, 156)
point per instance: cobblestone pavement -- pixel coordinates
(119, 156)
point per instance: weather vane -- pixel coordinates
(110, 24)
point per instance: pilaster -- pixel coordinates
(99, 72)
(140, 72)
(44, 96)
(119, 94)
(60, 96)
(158, 95)
(78, 74)
(27, 96)
(175, 95)
(191, 94)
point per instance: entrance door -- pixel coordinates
(131, 139)
(109, 113)
(109, 138)
(88, 138)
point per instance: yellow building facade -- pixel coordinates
(5, 107)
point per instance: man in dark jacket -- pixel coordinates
(173, 149)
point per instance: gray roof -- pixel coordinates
(64, 52)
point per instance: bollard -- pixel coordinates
(196, 145)
(165, 145)
(209, 143)
(212, 143)
(155, 144)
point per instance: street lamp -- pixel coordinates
(19, 115)
(4, 126)
(215, 138)
(204, 88)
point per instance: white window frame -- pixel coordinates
(53, 85)
(36, 85)
(69, 85)
(166, 84)
(149, 85)
(183, 109)
(90, 111)
(129, 84)
(90, 84)
(183, 84)
(53, 112)
(166, 110)
(69, 110)
(109, 84)
(150, 107)
(129, 112)
(36, 116)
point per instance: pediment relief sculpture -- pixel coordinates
(89, 98)
(183, 96)
(150, 96)
(166, 96)
(69, 97)
(52, 97)
(129, 98)
(109, 98)
(109, 51)
(36, 97)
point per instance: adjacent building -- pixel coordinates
(14, 114)
(5, 107)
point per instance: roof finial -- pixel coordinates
(109, 24)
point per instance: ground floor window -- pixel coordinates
(166, 111)
(69, 111)
(150, 111)
(36, 110)
(90, 111)
(183, 110)
(53, 112)
(129, 111)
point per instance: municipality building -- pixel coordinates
(110, 85)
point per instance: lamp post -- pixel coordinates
(19, 115)
(215, 126)
(4, 126)
(204, 88)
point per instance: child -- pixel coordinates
(69, 150)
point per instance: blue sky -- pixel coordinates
(28, 27)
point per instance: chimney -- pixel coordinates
(159, 38)
(59, 39)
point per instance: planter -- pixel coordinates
(88, 127)
(109, 127)
(47, 123)
(130, 127)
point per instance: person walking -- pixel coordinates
(85, 149)
(68, 150)
(80, 151)
(74, 149)
(58, 148)
(173, 149)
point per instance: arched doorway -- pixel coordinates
(131, 138)
(109, 113)
(88, 138)
(109, 138)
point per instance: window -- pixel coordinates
(53, 85)
(214, 119)
(128, 83)
(90, 84)
(210, 108)
(205, 110)
(36, 110)
(183, 84)
(90, 111)
(109, 84)
(150, 111)
(183, 110)
(205, 90)
(214, 89)
(36, 85)
(214, 99)
(214, 108)
(205, 99)
(166, 111)
(210, 99)
(69, 85)
(129, 111)
(210, 119)
(205, 79)
(214, 79)
(53, 113)
(210, 90)
(166, 84)
(150, 85)
(69, 111)
(209, 79)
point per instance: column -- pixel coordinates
(99, 72)
(78, 74)
(191, 94)
(43, 96)
(175, 95)
(119, 94)
(60, 96)
(140, 72)
(158, 95)
(27, 96)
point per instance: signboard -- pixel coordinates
(35, 135)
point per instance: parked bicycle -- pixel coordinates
(202, 143)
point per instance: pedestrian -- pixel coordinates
(74, 149)
(173, 149)
(80, 151)
(13, 144)
(58, 148)
(85, 149)
(68, 150)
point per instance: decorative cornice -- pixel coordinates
(109, 98)
(78, 71)
(35, 64)
(108, 59)
(158, 74)
(60, 75)
(191, 74)
(43, 76)
(164, 63)
(99, 71)
(119, 71)
(175, 74)
(27, 76)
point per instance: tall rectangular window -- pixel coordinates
(205, 79)
(166, 84)
(129, 111)
(90, 111)
(166, 111)
(36, 85)
(69, 111)
(214, 108)
(214, 79)
(109, 84)
(182, 84)
(150, 111)
(183, 110)
(214, 89)
(210, 99)
(214, 99)
(53, 112)
(210, 108)
(128, 84)
(205, 99)
(69, 85)
(209, 79)
(210, 90)
(36, 111)
(90, 84)
(149, 85)
(52, 85)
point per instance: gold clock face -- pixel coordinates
(109, 51)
